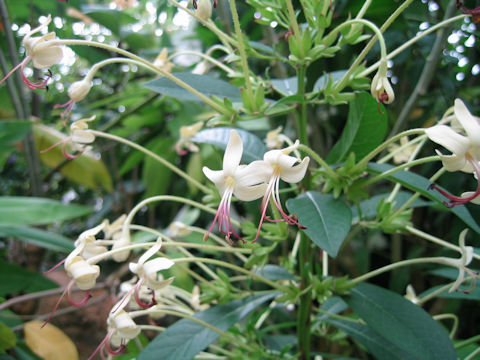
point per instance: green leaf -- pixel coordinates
(14, 278)
(420, 184)
(401, 322)
(87, 169)
(7, 338)
(376, 344)
(10, 133)
(18, 210)
(328, 220)
(110, 18)
(333, 305)
(365, 129)
(184, 339)
(286, 86)
(42, 238)
(326, 79)
(279, 342)
(367, 209)
(206, 84)
(274, 273)
(253, 147)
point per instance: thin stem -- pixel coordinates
(410, 42)
(154, 68)
(235, 268)
(436, 240)
(383, 49)
(384, 145)
(302, 116)
(403, 147)
(152, 155)
(204, 56)
(318, 159)
(449, 316)
(399, 264)
(386, 174)
(243, 55)
(472, 355)
(464, 343)
(364, 9)
(440, 290)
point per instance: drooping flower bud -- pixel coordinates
(381, 88)
(204, 9)
(79, 89)
(84, 274)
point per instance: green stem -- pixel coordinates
(437, 260)
(149, 65)
(302, 117)
(411, 42)
(318, 159)
(152, 155)
(449, 316)
(362, 163)
(243, 55)
(235, 268)
(400, 168)
(464, 343)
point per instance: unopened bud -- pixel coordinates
(204, 9)
(79, 89)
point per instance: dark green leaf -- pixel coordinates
(156, 176)
(420, 184)
(42, 238)
(367, 209)
(14, 278)
(184, 339)
(279, 342)
(18, 210)
(325, 79)
(253, 147)
(328, 220)
(286, 86)
(376, 344)
(274, 272)
(401, 322)
(365, 129)
(206, 84)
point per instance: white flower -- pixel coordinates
(121, 328)
(464, 144)
(246, 182)
(87, 245)
(42, 52)
(274, 138)
(281, 166)
(84, 274)
(147, 272)
(380, 87)
(161, 61)
(461, 263)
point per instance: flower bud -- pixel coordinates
(79, 89)
(123, 326)
(204, 9)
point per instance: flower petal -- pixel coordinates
(233, 153)
(215, 176)
(455, 163)
(469, 123)
(295, 173)
(249, 193)
(255, 173)
(449, 139)
(470, 193)
(47, 57)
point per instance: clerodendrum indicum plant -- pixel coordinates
(282, 185)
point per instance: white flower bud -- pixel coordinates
(123, 327)
(79, 89)
(204, 9)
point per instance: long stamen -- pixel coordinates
(139, 301)
(459, 200)
(264, 207)
(105, 339)
(55, 307)
(55, 267)
(80, 303)
(11, 72)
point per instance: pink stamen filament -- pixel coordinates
(64, 149)
(12, 71)
(80, 303)
(459, 200)
(42, 84)
(139, 301)
(55, 267)
(102, 343)
(65, 114)
(276, 199)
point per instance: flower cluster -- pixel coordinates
(462, 139)
(252, 181)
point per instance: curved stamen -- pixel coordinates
(80, 303)
(115, 352)
(139, 301)
(459, 200)
(54, 267)
(11, 72)
(55, 307)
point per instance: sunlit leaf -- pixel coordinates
(49, 342)
(42, 238)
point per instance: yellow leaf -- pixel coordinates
(86, 170)
(49, 342)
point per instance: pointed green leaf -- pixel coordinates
(421, 184)
(274, 272)
(42, 238)
(401, 322)
(206, 84)
(365, 129)
(186, 338)
(376, 344)
(7, 338)
(328, 220)
(14, 278)
(18, 210)
(253, 147)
